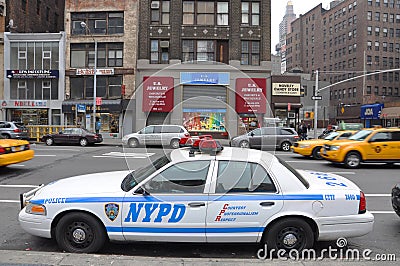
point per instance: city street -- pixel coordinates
(55, 162)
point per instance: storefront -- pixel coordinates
(390, 116)
(109, 113)
(371, 113)
(30, 112)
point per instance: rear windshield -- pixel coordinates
(19, 125)
(291, 169)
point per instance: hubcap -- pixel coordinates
(289, 239)
(79, 235)
(353, 160)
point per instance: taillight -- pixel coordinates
(296, 137)
(2, 150)
(187, 135)
(17, 130)
(363, 203)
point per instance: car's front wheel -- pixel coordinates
(244, 144)
(285, 146)
(352, 160)
(49, 141)
(83, 142)
(133, 143)
(80, 233)
(316, 153)
(289, 234)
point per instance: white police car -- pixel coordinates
(237, 195)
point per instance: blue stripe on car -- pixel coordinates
(112, 229)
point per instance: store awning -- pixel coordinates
(107, 106)
(390, 112)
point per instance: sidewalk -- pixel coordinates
(34, 258)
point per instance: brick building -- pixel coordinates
(346, 41)
(205, 53)
(113, 25)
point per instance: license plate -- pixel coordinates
(14, 149)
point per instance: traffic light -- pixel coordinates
(312, 115)
(307, 115)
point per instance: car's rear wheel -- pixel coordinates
(289, 234)
(174, 143)
(244, 144)
(316, 153)
(80, 233)
(83, 142)
(49, 141)
(133, 143)
(352, 160)
(285, 146)
(6, 136)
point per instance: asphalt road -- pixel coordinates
(55, 162)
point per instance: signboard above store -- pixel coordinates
(90, 71)
(24, 104)
(286, 89)
(205, 78)
(32, 73)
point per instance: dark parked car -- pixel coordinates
(13, 130)
(396, 199)
(79, 136)
(267, 137)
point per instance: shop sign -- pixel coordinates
(81, 108)
(32, 74)
(371, 111)
(251, 95)
(24, 104)
(286, 89)
(158, 94)
(90, 71)
(205, 78)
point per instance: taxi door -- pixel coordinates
(245, 197)
(379, 147)
(171, 206)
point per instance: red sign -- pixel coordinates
(99, 101)
(158, 94)
(251, 95)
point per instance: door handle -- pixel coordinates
(197, 204)
(267, 204)
(384, 145)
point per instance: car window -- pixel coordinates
(148, 130)
(67, 131)
(269, 131)
(287, 131)
(157, 129)
(396, 136)
(256, 132)
(2, 124)
(236, 177)
(331, 136)
(170, 129)
(345, 135)
(185, 177)
(380, 136)
(361, 135)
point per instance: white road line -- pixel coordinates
(9, 201)
(18, 186)
(120, 157)
(50, 149)
(382, 212)
(45, 155)
(306, 162)
(124, 155)
(18, 164)
(378, 195)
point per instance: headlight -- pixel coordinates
(36, 209)
(304, 146)
(335, 148)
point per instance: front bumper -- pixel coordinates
(333, 156)
(37, 225)
(331, 228)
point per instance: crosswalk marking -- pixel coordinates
(129, 155)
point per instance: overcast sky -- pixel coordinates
(278, 9)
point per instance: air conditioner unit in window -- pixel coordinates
(155, 4)
(291, 115)
(164, 44)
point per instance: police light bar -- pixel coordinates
(210, 146)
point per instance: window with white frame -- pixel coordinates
(251, 13)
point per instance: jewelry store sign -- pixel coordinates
(286, 89)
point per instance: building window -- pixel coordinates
(369, 15)
(108, 87)
(223, 13)
(108, 55)
(34, 89)
(250, 53)
(251, 13)
(98, 23)
(354, 92)
(203, 13)
(200, 51)
(369, 90)
(160, 12)
(376, 90)
(38, 4)
(377, 16)
(34, 55)
(159, 52)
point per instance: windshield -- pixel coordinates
(361, 135)
(331, 136)
(137, 176)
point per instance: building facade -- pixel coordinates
(350, 39)
(284, 29)
(204, 64)
(110, 27)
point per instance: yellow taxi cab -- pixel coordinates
(372, 145)
(14, 151)
(313, 147)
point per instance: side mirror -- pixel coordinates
(141, 191)
(252, 134)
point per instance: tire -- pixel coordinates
(49, 141)
(133, 143)
(80, 233)
(285, 146)
(396, 210)
(83, 142)
(316, 153)
(352, 160)
(174, 144)
(288, 234)
(244, 144)
(6, 136)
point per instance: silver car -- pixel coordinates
(267, 138)
(13, 130)
(156, 135)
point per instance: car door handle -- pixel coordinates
(384, 145)
(197, 204)
(267, 204)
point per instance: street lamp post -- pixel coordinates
(83, 25)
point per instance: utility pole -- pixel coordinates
(316, 105)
